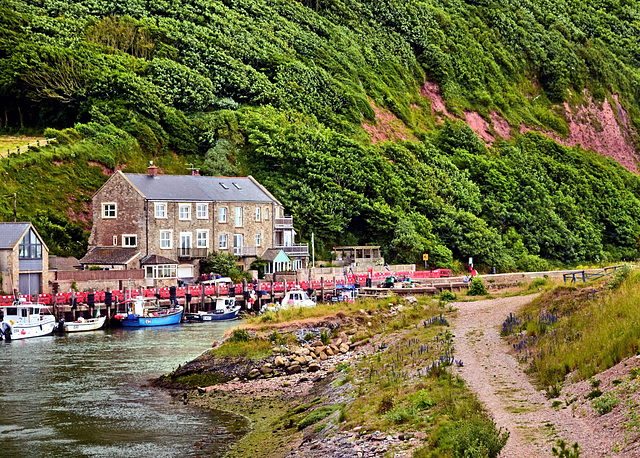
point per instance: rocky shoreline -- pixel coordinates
(276, 393)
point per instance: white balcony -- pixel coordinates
(284, 223)
(298, 249)
(245, 251)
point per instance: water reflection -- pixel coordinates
(81, 395)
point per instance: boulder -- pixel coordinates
(411, 300)
(344, 348)
(294, 369)
(317, 343)
(331, 370)
(329, 351)
(313, 367)
(343, 337)
(300, 360)
(253, 373)
(308, 358)
(335, 348)
(323, 356)
(264, 370)
(279, 362)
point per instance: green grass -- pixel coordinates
(253, 349)
(10, 142)
(590, 335)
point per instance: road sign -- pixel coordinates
(425, 257)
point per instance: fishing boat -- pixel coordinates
(82, 324)
(224, 309)
(22, 320)
(142, 312)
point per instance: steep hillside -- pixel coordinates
(305, 95)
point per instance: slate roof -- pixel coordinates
(11, 233)
(272, 253)
(191, 188)
(109, 256)
(63, 264)
(155, 259)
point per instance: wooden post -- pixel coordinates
(322, 289)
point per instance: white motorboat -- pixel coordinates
(22, 320)
(82, 324)
(296, 298)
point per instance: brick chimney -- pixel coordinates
(152, 170)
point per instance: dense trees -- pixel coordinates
(280, 89)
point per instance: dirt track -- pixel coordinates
(508, 393)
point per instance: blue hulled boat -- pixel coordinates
(143, 313)
(224, 309)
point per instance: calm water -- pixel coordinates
(80, 395)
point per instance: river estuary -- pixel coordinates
(83, 395)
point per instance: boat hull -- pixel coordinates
(209, 317)
(136, 321)
(25, 331)
(92, 324)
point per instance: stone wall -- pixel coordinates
(129, 218)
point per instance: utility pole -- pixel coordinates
(15, 213)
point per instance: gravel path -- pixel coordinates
(509, 394)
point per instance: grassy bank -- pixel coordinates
(401, 384)
(583, 329)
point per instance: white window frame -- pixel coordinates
(161, 271)
(190, 234)
(224, 237)
(115, 240)
(222, 214)
(104, 210)
(258, 239)
(206, 238)
(206, 211)
(170, 232)
(160, 206)
(239, 237)
(124, 240)
(180, 208)
(266, 213)
(257, 214)
(238, 216)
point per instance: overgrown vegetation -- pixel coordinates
(281, 91)
(574, 330)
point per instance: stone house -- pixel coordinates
(24, 259)
(180, 219)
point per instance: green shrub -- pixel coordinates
(594, 394)
(400, 415)
(538, 283)
(386, 404)
(319, 414)
(421, 400)
(473, 437)
(240, 335)
(477, 287)
(563, 452)
(447, 296)
(324, 337)
(604, 404)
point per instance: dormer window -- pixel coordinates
(223, 185)
(236, 185)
